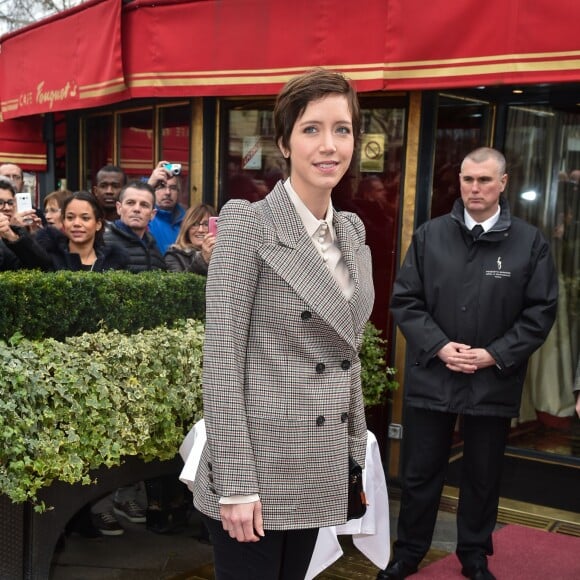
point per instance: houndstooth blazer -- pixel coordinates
(282, 394)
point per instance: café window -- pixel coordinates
(175, 123)
(252, 162)
(98, 149)
(463, 124)
(136, 141)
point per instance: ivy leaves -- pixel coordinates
(376, 376)
(69, 407)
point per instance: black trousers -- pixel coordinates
(279, 555)
(426, 446)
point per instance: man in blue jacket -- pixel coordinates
(475, 297)
(167, 221)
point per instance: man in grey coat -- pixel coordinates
(475, 297)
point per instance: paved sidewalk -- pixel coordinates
(142, 555)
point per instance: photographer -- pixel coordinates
(166, 224)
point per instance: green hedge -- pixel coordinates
(69, 407)
(126, 381)
(41, 305)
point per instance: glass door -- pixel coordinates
(543, 149)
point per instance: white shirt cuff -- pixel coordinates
(231, 499)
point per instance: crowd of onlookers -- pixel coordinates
(119, 225)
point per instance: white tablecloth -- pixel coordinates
(371, 534)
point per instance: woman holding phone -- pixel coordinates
(195, 242)
(79, 246)
(289, 291)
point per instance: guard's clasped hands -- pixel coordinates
(462, 358)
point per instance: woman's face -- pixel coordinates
(7, 202)
(321, 145)
(52, 213)
(80, 223)
(198, 231)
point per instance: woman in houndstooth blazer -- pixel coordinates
(288, 294)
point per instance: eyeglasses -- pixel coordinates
(14, 177)
(200, 225)
(160, 186)
(6, 202)
(51, 210)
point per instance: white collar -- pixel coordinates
(486, 225)
(311, 223)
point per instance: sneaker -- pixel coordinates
(107, 524)
(131, 511)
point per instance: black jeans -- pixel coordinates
(279, 555)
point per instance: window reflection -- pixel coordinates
(136, 143)
(462, 126)
(98, 145)
(543, 189)
(254, 163)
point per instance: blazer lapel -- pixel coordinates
(357, 257)
(292, 255)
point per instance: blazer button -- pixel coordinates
(210, 476)
(320, 367)
(320, 420)
(344, 418)
(345, 365)
(306, 315)
(209, 465)
(212, 489)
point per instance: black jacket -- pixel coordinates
(50, 253)
(8, 259)
(185, 260)
(498, 292)
(143, 254)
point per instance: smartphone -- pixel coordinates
(212, 225)
(23, 202)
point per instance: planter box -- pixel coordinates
(28, 539)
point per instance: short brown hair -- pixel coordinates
(299, 91)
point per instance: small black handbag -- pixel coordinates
(357, 501)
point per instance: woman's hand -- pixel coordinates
(27, 219)
(243, 521)
(6, 232)
(207, 247)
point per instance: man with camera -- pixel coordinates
(167, 185)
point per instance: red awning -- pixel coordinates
(240, 47)
(237, 47)
(438, 44)
(21, 142)
(100, 52)
(69, 61)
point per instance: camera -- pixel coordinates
(173, 168)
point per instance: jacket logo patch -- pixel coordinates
(499, 273)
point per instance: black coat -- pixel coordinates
(143, 254)
(8, 259)
(185, 260)
(50, 252)
(498, 292)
